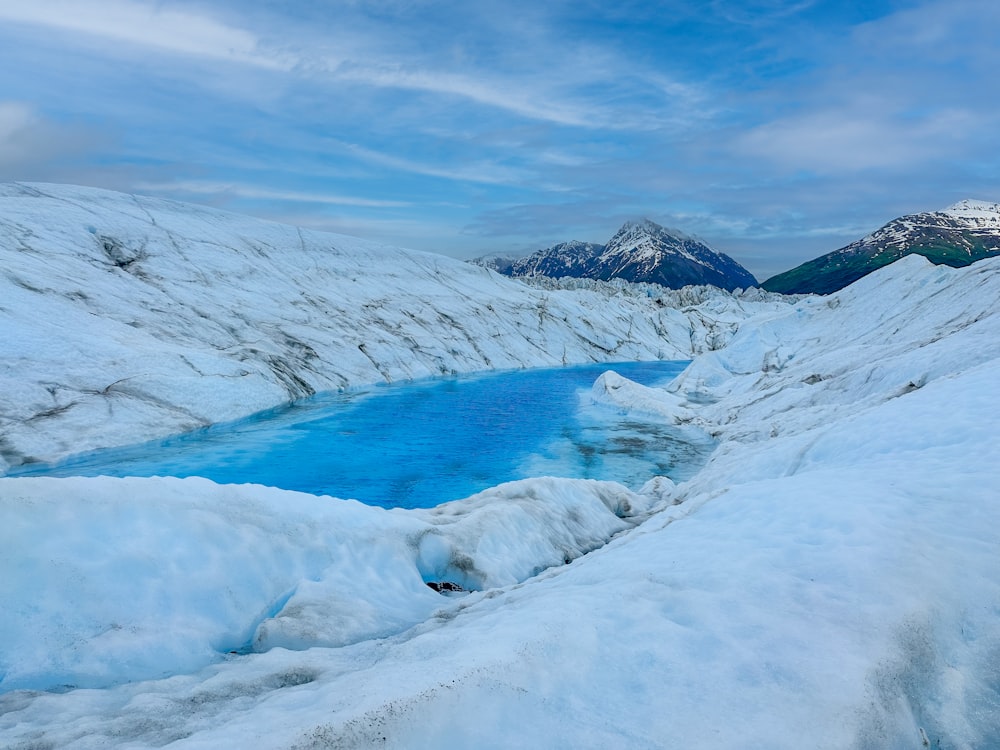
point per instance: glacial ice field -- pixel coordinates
(125, 318)
(830, 578)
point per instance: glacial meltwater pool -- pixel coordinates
(421, 443)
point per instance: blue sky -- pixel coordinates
(776, 131)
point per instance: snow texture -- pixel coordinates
(827, 580)
(983, 213)
(125, 318)
(975, 218)
(143, 578)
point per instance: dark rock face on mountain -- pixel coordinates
(565, 259)
(644, 251)
(957, 236)
(640, 251)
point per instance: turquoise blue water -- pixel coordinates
(421, 443)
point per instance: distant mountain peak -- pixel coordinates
(648, 226)
(647, 239)
(639, 225)
(956, 236)
(974, 209)
(642, 251)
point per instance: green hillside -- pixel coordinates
(941, 245)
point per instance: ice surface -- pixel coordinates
(828, 579)
(111, 580)
(124, 319)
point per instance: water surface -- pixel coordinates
(421, 443)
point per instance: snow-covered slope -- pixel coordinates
(125, 318)
(978, 213)
(827, 580)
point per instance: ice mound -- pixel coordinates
(113, 580)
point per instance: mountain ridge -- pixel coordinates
(956, 236)
(640, 251)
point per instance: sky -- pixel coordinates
(775, 131)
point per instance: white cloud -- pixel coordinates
(935, 30)
(481, 171)
(518, 98)
(30, 143)
(252, 192)
(145, 24)
(16, 119)
(757, 12)
(522, 76)
(836, 141)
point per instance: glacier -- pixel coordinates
(828, 579)
(124, 318)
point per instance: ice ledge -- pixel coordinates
(195, 570)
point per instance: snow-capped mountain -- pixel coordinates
(125, 318)
(645, 251)
(565, 259)
(956, 236)
(640, 251)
